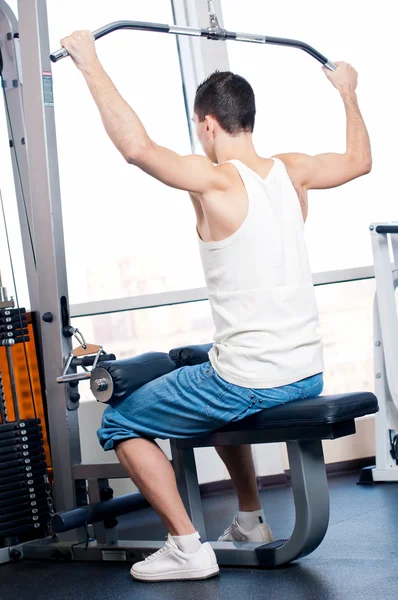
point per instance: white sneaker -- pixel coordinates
(170, 564)
(235, 533)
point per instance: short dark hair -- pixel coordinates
(229, 98)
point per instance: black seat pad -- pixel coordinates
(323, 410)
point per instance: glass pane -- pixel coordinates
(300, 111)
(346, 324)
(123, 230)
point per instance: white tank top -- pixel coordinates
(261, 290)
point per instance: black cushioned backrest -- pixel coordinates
(129, 374)
(190, 355)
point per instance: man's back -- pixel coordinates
(219, 215)
(260, 287)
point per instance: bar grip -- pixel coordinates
(56, 56)
(74, 377)
(330, 65)
(387, 228)
(88, 361)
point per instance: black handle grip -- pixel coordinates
(387, 229)
(88, 361)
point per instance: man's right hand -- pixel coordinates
(344, 78)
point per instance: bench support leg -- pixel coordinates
(188, 485)
(311, 499)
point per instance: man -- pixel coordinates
(250, 218)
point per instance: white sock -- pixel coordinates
(248, 520)
(188, 543)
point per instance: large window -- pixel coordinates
(346, 325)
(300, 111)
(125, 233)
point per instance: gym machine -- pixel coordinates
(384, 237)
(84, 527)
(25, 495)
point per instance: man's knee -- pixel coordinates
(114, 429)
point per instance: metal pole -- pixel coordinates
(12, 85)
(49, 245)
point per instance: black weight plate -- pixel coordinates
(16, 486)
(17, 490)
(21, 477)
(26, 499)
(44, 515)
(39, 528)
(5, 527)
(28, 446)
(29, 437)
(23, 453)
(20, 432)
(25, 514)
(15, 425)
(18, 470)
(5, 312)
(24, 461)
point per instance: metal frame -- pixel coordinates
(13, 97)
(198, 59)
(385, 324)
(310, 491)
(49, 244)
(102, 307)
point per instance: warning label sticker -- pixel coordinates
(48, 93)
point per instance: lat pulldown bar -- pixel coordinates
(211, 33)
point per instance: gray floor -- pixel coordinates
(357, 559)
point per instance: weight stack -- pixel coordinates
(25, 495)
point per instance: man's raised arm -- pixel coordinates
(191, 173)
(331, 170)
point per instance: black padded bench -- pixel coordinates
(302, 424)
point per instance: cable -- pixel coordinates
(17, 302)
(19, 176)
(9, 121)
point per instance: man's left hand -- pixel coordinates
(81, 48)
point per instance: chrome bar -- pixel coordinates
(177, 30)
(251, 37)
(73, 377)
(214, 32)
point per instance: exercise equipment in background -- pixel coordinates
(25, 495)
(385, 335)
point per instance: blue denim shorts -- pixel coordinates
(190, 402)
